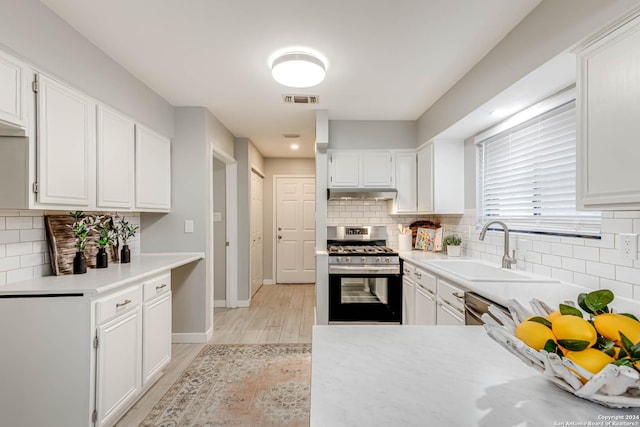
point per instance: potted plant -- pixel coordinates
(125, 231)
(81, 227)
(103, 241)
(452, 243)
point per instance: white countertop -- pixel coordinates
(433, 376)
(97, 281)
(501, 292)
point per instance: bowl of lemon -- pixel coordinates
(587, 349)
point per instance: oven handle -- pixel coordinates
(369, 270)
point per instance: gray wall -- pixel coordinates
(550, 29)
(33, 32)
(219, 231)
(244, 218)
(372, 134)
(278, 166)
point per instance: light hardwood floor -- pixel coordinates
(278, 314)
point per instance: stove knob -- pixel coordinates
(348, 259)
(363, 260)
(339, 259)
(387, 260)
(378, 260)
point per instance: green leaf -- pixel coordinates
(598, 300)
(625, 343)
(622, 353)
(623, 362)
(605, 345)
(567, 309)
(630, 315)
(582, 304)
(574, 345)
(542, 320)
(550, 346)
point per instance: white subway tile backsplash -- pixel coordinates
(3, 251)
(586, 253)
(612, 256)
(31, 260)
(20, 274)
(616, 226)
(563, 275)
(574, 264)
(9, 263)
(627, 214)
(562, 249)
(543, 247)
(32, 235)
(542, 270)
(9, 236)
(599, 269)
(18, 222)
(34, 213)
(3, 278)
(627, 274)
(2, 223)
(618, 288)
(552, 260)
(586, 280)
(13, 249)
(5, 212)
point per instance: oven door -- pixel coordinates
(365, 298)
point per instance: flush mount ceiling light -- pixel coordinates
(297, 69)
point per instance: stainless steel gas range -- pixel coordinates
(365, 279)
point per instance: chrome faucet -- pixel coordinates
(507, 260)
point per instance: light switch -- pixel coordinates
(217, 217)
(188, 226)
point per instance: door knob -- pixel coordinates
(279, 237)
(279, 228)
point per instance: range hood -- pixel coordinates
(361, 193)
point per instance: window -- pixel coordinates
(527, 176)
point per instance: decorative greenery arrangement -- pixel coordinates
(125, 230)
(452, 240)
(108, 236)
(81, 227)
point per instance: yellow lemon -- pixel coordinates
(590, 359)
(568, 327)
(534, 334)
(611, 324)
(553, 316)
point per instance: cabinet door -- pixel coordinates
(115, 158)
(377, 169)
(405, 182)
(156, 336)
(66, 132)
(344, 169)
(609, 107)
(408, 288)
(425, 178)
(425, 307)
(118, 378)
(13, 91)
(447, 315)
(153, 170)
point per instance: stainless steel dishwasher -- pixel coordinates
(475, 306)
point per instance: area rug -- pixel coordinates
(240, 385)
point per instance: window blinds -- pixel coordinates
(528, 176)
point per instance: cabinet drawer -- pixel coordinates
(408, 269)
(117, 303)
(425, 280)
(451, 294)
(156, 286)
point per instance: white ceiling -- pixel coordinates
(388, 60)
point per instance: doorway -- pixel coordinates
(220, 233)
(295, 229)
(257, 243)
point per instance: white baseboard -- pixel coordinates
(268, 282)
(191, 338)
(220, 303)
(244, 303)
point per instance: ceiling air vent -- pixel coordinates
(291, 135)
(300, 99)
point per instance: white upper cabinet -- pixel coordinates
(14, 90)
(441, 177)
(406, 182)
(608, 150)
(344, 169)
(153, 171)
(359, 169)
(115, 159)
(377, 169)
(66, 140)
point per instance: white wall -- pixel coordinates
(33, 32)
(219, 231)
(272, 167)
(383, 134)
(24, 252)
(550, 29)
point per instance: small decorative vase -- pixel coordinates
(125, 255)
(101, 258)
(79, 263)
(453, 250)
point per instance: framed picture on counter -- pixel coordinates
(425, 238)
(437, 240)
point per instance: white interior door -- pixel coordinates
(257, 211)
(295, 230)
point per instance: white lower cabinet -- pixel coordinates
(408, 293)
(425, 307)
(156, 327)
(450, 304)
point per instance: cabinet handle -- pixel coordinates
(122, 304)
(164, 285)
(418, 275)
(459, 295)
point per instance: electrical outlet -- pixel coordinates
(629, 246)
(188, 226)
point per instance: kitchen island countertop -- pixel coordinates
(435, 376)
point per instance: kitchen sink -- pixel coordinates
(479, 271)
